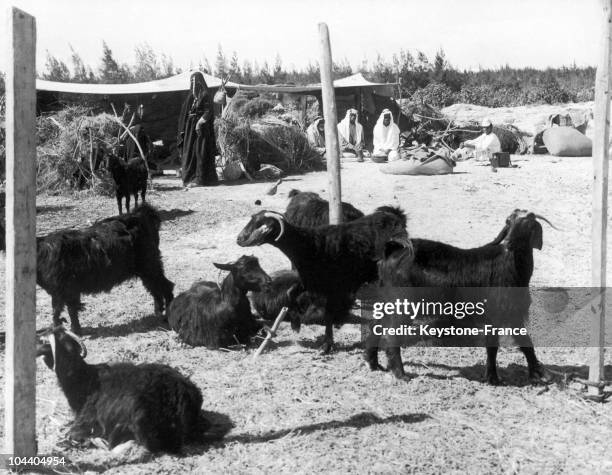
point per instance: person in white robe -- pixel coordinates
(482, 147)
(386, 137)
(350, 134)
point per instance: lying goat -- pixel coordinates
(152, 404)
(219, 316)
(97, 258)
(309, 210)
(505, 262)
(333, 261)
(304, 308)
(130, 179)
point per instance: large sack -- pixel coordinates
(436, 166)
(567, 142)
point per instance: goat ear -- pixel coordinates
(536, 237)
(229, 266)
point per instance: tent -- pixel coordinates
(162, 99)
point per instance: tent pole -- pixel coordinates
(331, 127)
(600, 200)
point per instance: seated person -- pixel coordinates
(386, 137)
(316, 135)
(480, 148)
(350, 135)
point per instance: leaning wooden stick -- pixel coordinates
(142, 155)
(272, 332)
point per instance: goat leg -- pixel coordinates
(394, 362)
(74, 305)
(328, 342)
(119, 203)
(127, 202)
(538, 374)
(491, 371)
(58, 307)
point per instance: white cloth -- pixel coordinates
(315, 138)
(485, 146)
(344, 130)
(385, 138)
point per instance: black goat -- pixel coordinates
(97, 258)
(216, 317)
(130, 179)
(506, 262)
(333, 260)
(286, 290)
(152, 404)
(308, 210)
(304, 307)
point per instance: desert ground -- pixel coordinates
(294, 410)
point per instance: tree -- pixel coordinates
(110, 71)
(247, 72)
(80, 73)
(55, 69)
(278, 74)
(234, 68)
(220, 63)
(146, 67)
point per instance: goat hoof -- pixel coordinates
(327, 348)
(493, 379)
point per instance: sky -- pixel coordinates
(473, 33)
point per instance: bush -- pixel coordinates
(434, 94)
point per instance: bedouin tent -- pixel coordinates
(162, 99)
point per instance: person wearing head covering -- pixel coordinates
(196, 135)
(482, 147)
(316, 135)
(386, 137)
(350, 134)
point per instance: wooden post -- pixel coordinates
(20, 369)
(600, 198)
(332, 147)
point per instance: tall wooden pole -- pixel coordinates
(332, 147)
(20, 374)
(600, 197)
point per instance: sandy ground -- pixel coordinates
(295, 411)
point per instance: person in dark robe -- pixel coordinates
(196, 135)
(133, 120)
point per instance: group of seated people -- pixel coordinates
(387, 139)
(351, 137)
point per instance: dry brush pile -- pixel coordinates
(257, 131)
(71, 143)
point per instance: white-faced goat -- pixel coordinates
(502, 269)
(96, 259)
(219, 316)
(130, 178)
(308, 210)
(152, 404)
(333, 260)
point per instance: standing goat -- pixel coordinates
(152, 404)
(333, 260)
(219, 316)
(130, 179)
(505, 262)
(97, 258)
(309, 210)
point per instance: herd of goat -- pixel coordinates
(157, 406)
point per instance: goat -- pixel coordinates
(309, 210)
(505, 262)
(332, 260)
(216, 317)
(152, 404)
(97, 258)
(130, 178)
(304, 307)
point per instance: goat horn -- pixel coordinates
(79, 341)
(546, 221)
(281, 221)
